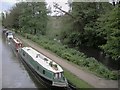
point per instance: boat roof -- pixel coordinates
(42, 60)
(16, 40)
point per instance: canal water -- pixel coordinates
(14, 74)
(0, 62)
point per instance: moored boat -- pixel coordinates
(44, 67)
(16, 44)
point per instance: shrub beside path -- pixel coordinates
(91, 79)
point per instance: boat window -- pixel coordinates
(19, 45)
(37, 67)
(43, 71)
(10, 34)
(16, 45)
(58, 75)
(23, 54)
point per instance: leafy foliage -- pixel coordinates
(33, 19)
(30, 17)
(109, 28)
(95, 25)
(12, 19)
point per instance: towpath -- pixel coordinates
(86, 76)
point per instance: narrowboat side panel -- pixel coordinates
(39, 77)
(36, 66)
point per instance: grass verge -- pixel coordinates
(75, 80)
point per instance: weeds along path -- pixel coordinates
(84, 75)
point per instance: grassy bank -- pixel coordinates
(76, 81)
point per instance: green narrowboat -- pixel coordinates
(43, 66)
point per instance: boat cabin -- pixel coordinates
(16, 43)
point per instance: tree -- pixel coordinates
(87, 12)
(3, 18)
(33, 19)
(28, 17)
(12, 18)
(109, 28)
(84, 24)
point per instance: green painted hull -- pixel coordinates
(40, 78)
(42, 71)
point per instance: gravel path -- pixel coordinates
(87, 77)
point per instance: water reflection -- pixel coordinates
(17, 74)
(14, 74)
(0, 61)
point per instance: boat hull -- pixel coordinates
(42, 72)
(48, 82)
(44, 81)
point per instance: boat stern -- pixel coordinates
(60, 83)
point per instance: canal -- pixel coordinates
(0, 62)
(14, 74)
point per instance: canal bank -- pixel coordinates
(81, 74)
